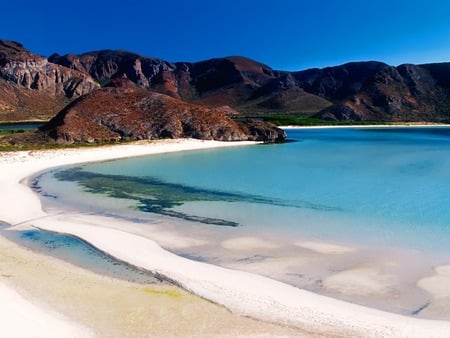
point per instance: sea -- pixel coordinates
(377, 188)
(20, 126)
(385, 186)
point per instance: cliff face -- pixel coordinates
(128, 111)
(106, 65)
(32, 87)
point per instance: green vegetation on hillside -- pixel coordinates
(302, 120)
(7, 132)
(34, 140)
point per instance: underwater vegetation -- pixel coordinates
(160, 197)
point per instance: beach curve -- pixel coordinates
(241, 292)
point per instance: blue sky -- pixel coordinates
(285, 34)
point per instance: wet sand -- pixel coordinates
(116, 308)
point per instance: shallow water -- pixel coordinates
(20, 126)
(381, 191)
(380, 186)
(77, 252)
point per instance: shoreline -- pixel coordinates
(112, 307)
(399, 125)
(242, 293)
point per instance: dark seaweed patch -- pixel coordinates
(156, 196)
(420, 309)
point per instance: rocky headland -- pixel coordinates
(126, 111)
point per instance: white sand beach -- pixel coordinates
(20, 318)
(105, 306)
(242, 293)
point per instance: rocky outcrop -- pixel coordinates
(106, 65)
(31, 71)
(39, 74)
(131, 112)
(257, 130)
(28, 79)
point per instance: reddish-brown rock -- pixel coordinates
(33, 88)
(130, 112)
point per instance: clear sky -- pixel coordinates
(284, 34)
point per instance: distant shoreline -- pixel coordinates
(396, 125)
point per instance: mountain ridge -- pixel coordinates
(354, 91)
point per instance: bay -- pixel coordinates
(359, 214)
(378, 186)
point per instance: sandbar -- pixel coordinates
(108, 307)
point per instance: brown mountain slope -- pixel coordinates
(131, 112)
(33, 88)
(403, 93)
(21, 104)
(231, 81)
(216, 82)
(353, 91)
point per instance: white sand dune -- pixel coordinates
(243, 293)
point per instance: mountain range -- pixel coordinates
(33, 87)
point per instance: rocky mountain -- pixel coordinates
(367, 91)
(246, 85)
(226, 81)
(127, 111)
(403, 93)
(31, 87)
(371, 91)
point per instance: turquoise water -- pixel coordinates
(371, 186)
(20, 126)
